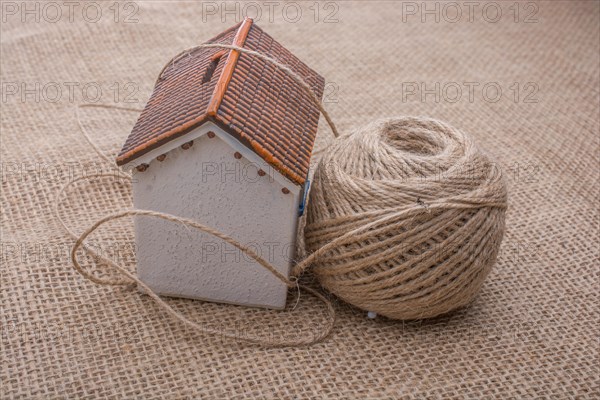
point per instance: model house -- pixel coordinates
(226, 140)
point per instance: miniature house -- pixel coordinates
(225, 139)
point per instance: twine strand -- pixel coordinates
(128, 279)
(84, 131)
(330, 321)
(297, 78)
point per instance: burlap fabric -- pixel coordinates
(532, 331)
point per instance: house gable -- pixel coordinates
(151, 158)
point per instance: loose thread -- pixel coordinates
(330, 321)
(84, 131)
(132, 280)
(74, 236)
(305, 86)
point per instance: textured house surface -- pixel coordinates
(252, 100)
(226, 140)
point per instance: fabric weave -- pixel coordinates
(532, 332)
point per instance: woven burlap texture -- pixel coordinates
(531, 332)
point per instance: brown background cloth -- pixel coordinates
(532, 331)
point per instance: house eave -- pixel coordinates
(137, 154)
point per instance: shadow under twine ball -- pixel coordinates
(407, 216)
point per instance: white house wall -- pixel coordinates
(207, 184)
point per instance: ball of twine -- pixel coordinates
(406, 216)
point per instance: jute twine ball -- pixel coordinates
(407, 216)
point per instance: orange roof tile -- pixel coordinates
(252, 100)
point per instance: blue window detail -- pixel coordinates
(304, 196)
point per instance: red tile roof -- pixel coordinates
(252, 100)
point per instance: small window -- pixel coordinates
(210, 70)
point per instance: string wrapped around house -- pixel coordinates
(405, 219)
